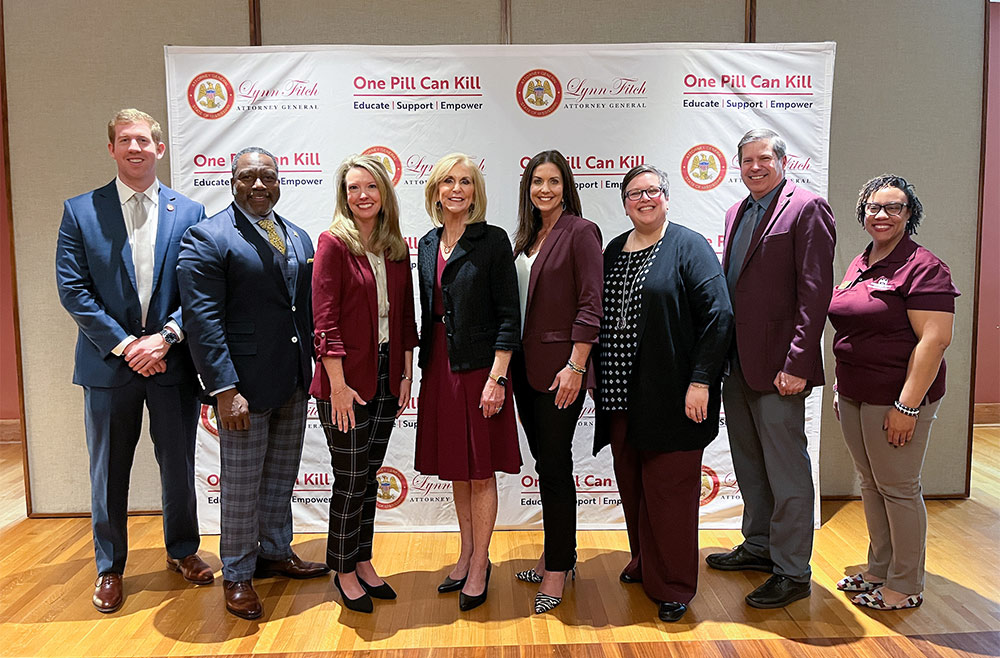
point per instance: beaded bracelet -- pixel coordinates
(575, 368)
(905, 410)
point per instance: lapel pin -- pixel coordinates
(295, 233)
(170, 207)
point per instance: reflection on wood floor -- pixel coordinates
(47, 575)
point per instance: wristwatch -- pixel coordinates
(499, 379)
(169, 337)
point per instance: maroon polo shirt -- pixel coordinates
(874, 339)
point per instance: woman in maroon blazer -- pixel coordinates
(362, 296)
(560, 282)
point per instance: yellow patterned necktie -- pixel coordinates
(272, 235)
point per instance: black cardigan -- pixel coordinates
(479, 288)
(685, 329)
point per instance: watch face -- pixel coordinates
(169, 337)
(502, 380)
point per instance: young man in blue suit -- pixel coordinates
(246, 279)
(115, 266)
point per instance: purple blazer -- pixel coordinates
(784, 287)
(564, 299)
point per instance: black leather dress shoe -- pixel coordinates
(672, 611)
(739, 559)
(383, 591)
(628, 580)
(777, 592)
(449, 584)
(467, 602)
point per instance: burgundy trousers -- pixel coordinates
(660, 494)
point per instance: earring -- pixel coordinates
(472, 208)
(438, 205)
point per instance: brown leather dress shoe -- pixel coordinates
(108, 592)
(193, 568)
(293, 567)
(241, 599)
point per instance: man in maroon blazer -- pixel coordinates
(779, 267)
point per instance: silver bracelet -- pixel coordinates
(905, 410)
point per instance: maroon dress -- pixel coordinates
(454, 441)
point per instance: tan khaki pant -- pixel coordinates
(891, 492)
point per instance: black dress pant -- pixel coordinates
(549, 431)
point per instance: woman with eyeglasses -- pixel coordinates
(558, 261)
(893, 316)
(664, 337)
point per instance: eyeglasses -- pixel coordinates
(891, 209)
(651, 193)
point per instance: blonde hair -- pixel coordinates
(440, 170)
(386, 234)
(132, 115)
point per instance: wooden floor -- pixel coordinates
(47, 574)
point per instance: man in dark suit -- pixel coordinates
(115, 267)
(779, 267)
(245, 278)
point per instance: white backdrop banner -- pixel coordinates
(681, 107)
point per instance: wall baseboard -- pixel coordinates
(986, 413)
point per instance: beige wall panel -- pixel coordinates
(70, 66)
(626, 21)
(908, 100)
(379, 22)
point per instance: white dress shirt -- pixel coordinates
(142, 240)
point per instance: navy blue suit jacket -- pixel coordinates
(244, 327)
(96, 279)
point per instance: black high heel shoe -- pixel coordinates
(545, 602)
(361, 604)
(449, 584)
(466, 602)
(383, 591)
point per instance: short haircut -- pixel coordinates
(132, 115)
(254, 149)
(639, 170)
(440, 170)
(759, 135)
(891, 180)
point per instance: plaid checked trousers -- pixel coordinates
(259, 467)
(356, 456)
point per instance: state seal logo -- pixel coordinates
(392, 488)
(208, 420)
(703, 167)
(539, 93)
(210, 95)
(881, 284)
(389, 160)
(709, 485)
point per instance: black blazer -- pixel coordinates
(479, 289)
(243, 326)
(685, 329)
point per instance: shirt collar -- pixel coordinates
(765, 201)
(125, 192)
(900, 253)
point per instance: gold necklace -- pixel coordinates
(445, 247)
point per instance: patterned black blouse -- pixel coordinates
(619, 329)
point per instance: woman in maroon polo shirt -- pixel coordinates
(365, 332)
(893, 316)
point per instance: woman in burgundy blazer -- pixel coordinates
(362, 297)
(560, 282)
